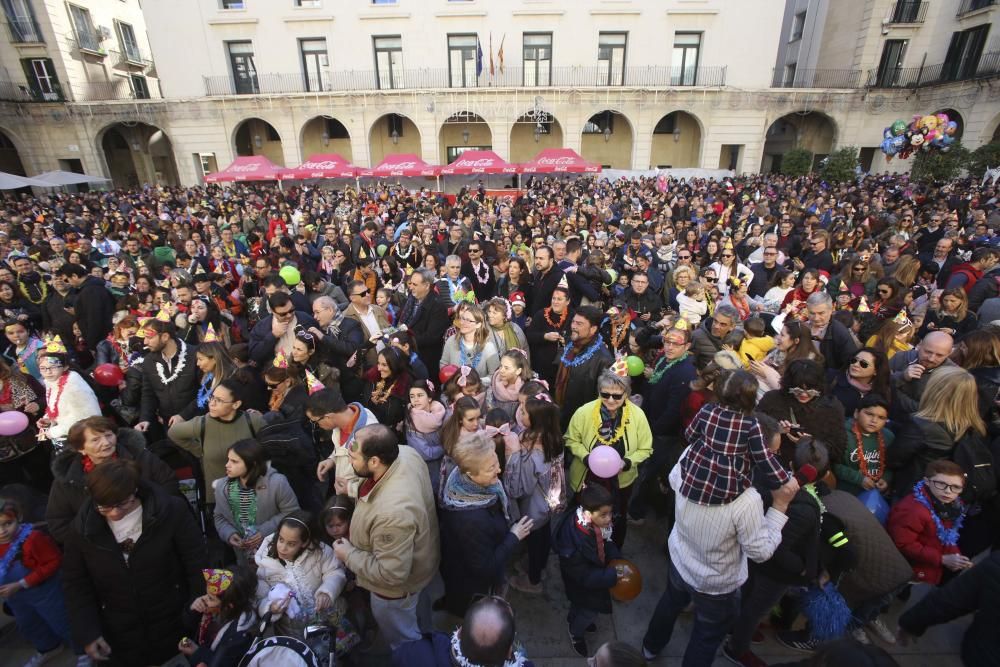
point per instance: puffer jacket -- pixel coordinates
(315, 570)
(704, 345)
(915, 535)
(587, 580)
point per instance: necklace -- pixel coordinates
(41, 286)
(618, 433)
(182, 359)
(52, 405)
(464, 355)
(862, 461)
(618, 329)
(562, 318)
(948, 536)
(584, 356)
(483, 268)
(120, 351)
(380, 393)
(15, 547)
(662, 366)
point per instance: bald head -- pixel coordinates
(934, 349)
(487, 634)
(324, 310)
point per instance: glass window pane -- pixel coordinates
(395, 42)
(687, 39)
(611, 39)
(456, 68)
(313, 46)
(461, 40)
(538, 40)
(241, 48)
(544, 70)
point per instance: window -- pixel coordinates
(308, 3)
(964, 52)
(129, 44)
(41, 76)
(890, 67)
(537, 55)
(243, 68)
(233, 4)
(611, 58)
(666, 124)
(86, 36)
(789, 80)
(687, 51)
(315, 64)
(395, 124)
(598, 123)
(462, 61)
(454, 151)
(389, 61)
(798, 25)
(21, 20)
(140, 89)
(334, 129)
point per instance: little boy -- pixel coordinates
(756, 344)
(517, 306)
(863, 466)
(692, 303)
(583, 542)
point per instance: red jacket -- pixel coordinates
(971, 273)
(912, 529)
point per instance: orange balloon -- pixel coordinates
(629, 581)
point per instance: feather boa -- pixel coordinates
(428, 421)
(505, 392)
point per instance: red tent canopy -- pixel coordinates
(559, 160)
(402, 164)
(251, 168)
(479, 162)
(326, 165)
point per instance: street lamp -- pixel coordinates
(607, 134)
(538, 132)
(466, 135)
(395, 136)
(677, 134)
(257, 141)
(325, 138)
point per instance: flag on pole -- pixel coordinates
(492, 70)
(479, 58)
(500, 52)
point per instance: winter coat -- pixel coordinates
(489, 358)
(136, 606)
(587, 580)
(704, 344)
(433, 649)
(581, 383)
(76, 401)
(796, 560)
(838, 345)
(988, 385)
(919, 442)
(822, 418)
(209, 438)
(915, 535)
(428, 327)
(935, 321)
(230, 644)
(668, 395)
(94, 307)
(526, 478)
(315, 570)
(394, 547)
(262, 341)
(906, 399)
(342, 461)
(69, 487)
(581, 437)
(161, 400)
(755, 349)
(275, 499)
(476, 546)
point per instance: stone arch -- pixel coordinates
(608, 138)
(136, 153)
(992, 133)
(325, 134)
(957, 117)
(813, 130)
(533, 132)
(676, 140)
(256, 136)
(463, 130)
(393, 133)
(10, 153)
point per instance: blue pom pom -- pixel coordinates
(827, 612)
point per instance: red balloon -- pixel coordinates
(108, 375)
(629, 583)
(446, 372)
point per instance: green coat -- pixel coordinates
(218, 436)
(581, 437)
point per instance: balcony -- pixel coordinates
(935, 75)
(11, 91)
(120, 89)
(24, 31)
(907, 11)
(89, 44)
(130, 60)
(512, 77)
(969, 6)
(817, 78)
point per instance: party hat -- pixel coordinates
(210, 335)
(901, 318)
(164, 314)
(844, 287)
(863, 306)
(729, 244)
(200, 269)
(217, 581)
(312, 383)
(682, 324)
(620, 367)
(54, 345)
(280, 360)
(563, 282)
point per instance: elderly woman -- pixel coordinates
(132, 563)
(504, 334)
(681, 278)
(478, 535)
(93, 442)
(611, 420)
(471, 345)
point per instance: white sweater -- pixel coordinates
(76, 401)
(691, 309)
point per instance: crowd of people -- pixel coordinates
(358, 407)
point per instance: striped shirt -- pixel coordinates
(710, 544)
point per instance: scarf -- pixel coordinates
(428, 421)
(89, 465)
(462, 494)
(241, 519)
(587, 528)
(504, 392)
(14, 549)
(518, 659)
(510, 340)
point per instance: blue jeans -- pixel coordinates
(714, 615)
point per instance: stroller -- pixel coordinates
(283, 651)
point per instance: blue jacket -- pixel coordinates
(586, 579)
(667, 396)
(431, 650)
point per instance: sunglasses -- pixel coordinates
(611, 397)
(861, 362)
(710, 280)
(800, 392)
(728, 256)
(365, 293)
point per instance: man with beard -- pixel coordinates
(169, 379)
(581, 363)
(405, 253)
(394, 546)
(548, 276)
(426, 316)
(29, 281)
(95, 318)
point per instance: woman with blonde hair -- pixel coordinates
(681, 277)
(951, 316)
(906, 271)
(980, 355)
(470, 345)
(948, 414)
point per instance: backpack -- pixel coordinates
(972, 453)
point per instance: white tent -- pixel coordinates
(60, 178)
(13, 182)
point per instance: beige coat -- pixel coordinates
(371, 356)
(395, 550)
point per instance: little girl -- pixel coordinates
(299, 577)
(23, 354)
(464, 382)
(383, 301)
(725, 443)
(463, 422)
(423, 427)
(692, 303)
(497, 426)
(530, 389)
(232, 603)
(508, 379)
(30, 584)
(336, 522)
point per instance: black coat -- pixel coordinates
(822, 418)
(545, 354)
(838, 346)
(546, 285)
(581, 386)
(667, 396)
(762, 277)
(428, 322)
(94, 307)
(483, 291)
(918, 443)
(262, 341)
(136, 606)
(476, 545)
(167, 400)
(587, 580)
(796, 560)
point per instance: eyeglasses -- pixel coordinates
(710, 280)
(216, 399)
(885, 292)
(474, 251)
(611, 397)
(287, 313)
(674, 343)
(861, 362)
(317, 420)
(683, 256)
(800, 392)
(108, 509)
(945, 486)
(362, 294)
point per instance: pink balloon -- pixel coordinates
(604, 461)
(13, 422)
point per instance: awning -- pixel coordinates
(559, 160)
(60, 178)
(250, 168)
(401, 164)
(13, 182)
(479, 162)
(327, 165)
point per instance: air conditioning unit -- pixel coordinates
(104, 31)
(50, 97)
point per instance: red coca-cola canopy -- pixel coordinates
(479, 162)
(401, 164)
(560, 160)
(326, 165)
(250, 168)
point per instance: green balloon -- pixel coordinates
(898, 128)
(381, 249)
(614, 276)
(635, 365)
(290, 275)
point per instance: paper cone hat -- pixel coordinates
(164, 314)
(863, 306)
(620, 367)
(55, 345)
(682, 324)
(280, 360)
(312, 383)
(210, 335)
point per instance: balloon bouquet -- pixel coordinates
(927, 133)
